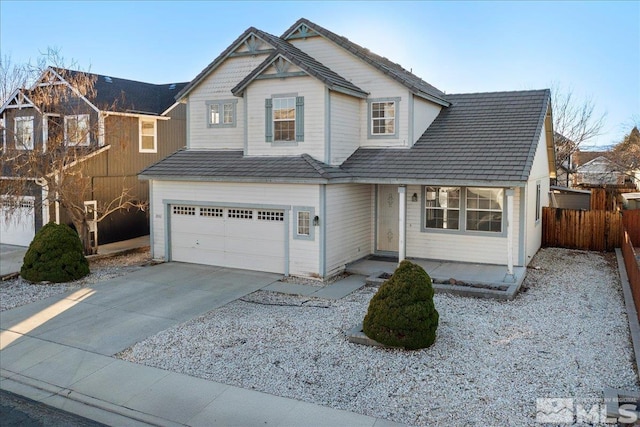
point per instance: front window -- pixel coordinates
(221, 113)
(24, 133)
(284, 119)
(484, 209)
(148, 136)
(442, 207)
(383, 118)
(76, 129)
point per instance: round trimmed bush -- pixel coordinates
(55, 255)
(402, 312)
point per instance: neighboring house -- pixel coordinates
(306, 152)
(569, 198)
(125, 126)
(600, 171)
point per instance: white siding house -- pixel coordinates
(335, 154)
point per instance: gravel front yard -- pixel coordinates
(16, 292)
(565, 336)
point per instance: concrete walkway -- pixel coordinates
(337, 290)
(59, 351)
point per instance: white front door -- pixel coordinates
(387, 227)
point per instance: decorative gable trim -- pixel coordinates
(54, 78)
(302, 31)
(19, 100)
(249, 39)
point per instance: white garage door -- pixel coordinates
(20, 228)
(247, 238)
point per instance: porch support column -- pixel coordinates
(402, 220)
(510, 194)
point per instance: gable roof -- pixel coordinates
(481, 137)
(216, 62)
(583, 157)
(127, 96)
(296, 56)
(414, 83)
(210, 165)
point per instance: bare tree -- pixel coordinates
(626, 154)
(575, 122)
(12, 77)
(54, 149)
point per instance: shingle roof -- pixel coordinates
(116, 94)
(480, 137)
(196, 165)
(302, 60)
(393, 70)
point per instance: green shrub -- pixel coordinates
(402, 313)
(55, 255)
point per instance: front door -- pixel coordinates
(387, 227)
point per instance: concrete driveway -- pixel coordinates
(11, 258)
(110, 316)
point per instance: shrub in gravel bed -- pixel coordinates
(55, 255)
(402, 312)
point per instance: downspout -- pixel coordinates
(402, 219)
(510, 194)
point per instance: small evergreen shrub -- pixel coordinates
(402, 312)
(55, 255)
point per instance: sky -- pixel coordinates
(590, 48)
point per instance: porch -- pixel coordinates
(460, 278)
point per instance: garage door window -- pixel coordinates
(271, 216)
(184, 210)
(240, 213)
(212, 212)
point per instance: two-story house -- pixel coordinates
(116, 128)
(306, 152)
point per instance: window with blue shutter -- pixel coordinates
(284, 119)
(268, 120)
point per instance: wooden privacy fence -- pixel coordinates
(596, 230)
(631, 221)
(631, 266)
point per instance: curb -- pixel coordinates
(78, 403)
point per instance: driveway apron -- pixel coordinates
(110, 316)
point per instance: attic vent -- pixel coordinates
(108, 79)
(172, 86)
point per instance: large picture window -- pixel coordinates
(484, 209)
(24, 133)
(76, 129)
(442, 207)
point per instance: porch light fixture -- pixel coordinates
(316, 220)
(414, 198)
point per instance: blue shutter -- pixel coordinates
(300, 118)
(268, 120)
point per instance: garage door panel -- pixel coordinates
(241, 238)
(20, 228)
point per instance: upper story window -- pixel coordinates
(24, 133)
(221, 113)
(76, 129)
(148, 135)
(484, 209)
(383, 117)
(442, 207)
(284, 118)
